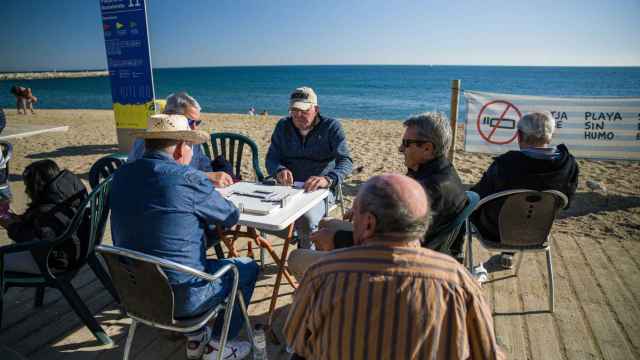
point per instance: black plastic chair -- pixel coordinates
(86, 227)
(231, 147)
(100, 171)
(443, 238)
(148, 297)
(524, 224)
(104, 167)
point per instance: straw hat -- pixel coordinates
(174, 127)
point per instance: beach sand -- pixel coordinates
(607, 218)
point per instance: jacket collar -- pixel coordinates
(430, 167)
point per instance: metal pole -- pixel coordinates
(455, 94)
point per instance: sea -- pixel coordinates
(381, 92)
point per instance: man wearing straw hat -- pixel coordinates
(162, 206)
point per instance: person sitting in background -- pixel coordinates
(162, 207)
(55, 198)
(536, 166)
(309, 148)
(425, 142)
(184, 104)
(388, 297)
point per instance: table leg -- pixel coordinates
(266, 244)
(281, 271)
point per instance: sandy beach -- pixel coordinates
(610, 218)
(614, 216)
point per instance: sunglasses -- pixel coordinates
(299, 96)
(195, 122)
(407, 142)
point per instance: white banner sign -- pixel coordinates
(591, 127)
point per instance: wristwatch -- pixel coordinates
(329, 180)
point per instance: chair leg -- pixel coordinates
(519, 262)
(39, 298)
(127, 346)
(102, 275)
(551, 281)
(83, 312)
(219, 252)
(470, 249)
(247, 322)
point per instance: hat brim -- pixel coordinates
(193, 136)
(300, 105)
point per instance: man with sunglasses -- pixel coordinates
(425, 143)
(308, 148)
(183, 104)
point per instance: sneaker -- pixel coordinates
(480, 274)
(233, 350)
(506, 261)
(196, 344)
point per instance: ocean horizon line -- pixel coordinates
(334, 65)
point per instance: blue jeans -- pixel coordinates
(214, 293)
(308, 222)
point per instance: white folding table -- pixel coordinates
(280, 219)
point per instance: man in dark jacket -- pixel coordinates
(425, 142)
(536, 166)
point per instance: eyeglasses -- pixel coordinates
(407, 142)
(193, 122)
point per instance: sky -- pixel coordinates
(67, 34)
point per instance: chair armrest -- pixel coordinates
(24, 246)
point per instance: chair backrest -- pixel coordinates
(104, 167)
(444, 238)
(526, 217)
(87, 225)
(231, 147)
(141, 283)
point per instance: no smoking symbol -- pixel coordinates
(497, 122)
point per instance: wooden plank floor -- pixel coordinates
(597, 310)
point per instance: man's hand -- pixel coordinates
(220, 178)
(323, 239)
(315, 182)
(285, 177)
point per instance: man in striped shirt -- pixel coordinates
(386, 297)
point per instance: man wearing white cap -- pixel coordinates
(310, 148)
(162, 206)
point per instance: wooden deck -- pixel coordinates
(597, 310)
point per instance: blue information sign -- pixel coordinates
(126, 40)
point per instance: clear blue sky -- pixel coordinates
(67, 34)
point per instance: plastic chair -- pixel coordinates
(104, 167)
(86, 227)
(231, 147)
(443, 238)
(524, 224)
(148, 297)
(101, 170)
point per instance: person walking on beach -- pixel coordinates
(388, 297)
(309, 148)
(183, 104)
(162, 207)
(24, 99)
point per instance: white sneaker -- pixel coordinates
(234, 350)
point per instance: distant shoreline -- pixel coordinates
(52, 75)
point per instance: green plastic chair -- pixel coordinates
(87, 226)
(231, 147)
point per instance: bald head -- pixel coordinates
(398, 203)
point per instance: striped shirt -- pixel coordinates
(380, 302)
